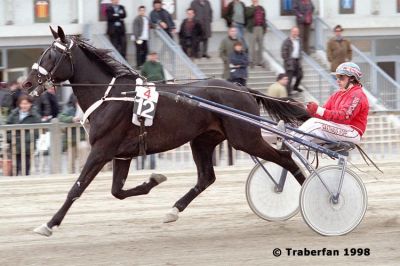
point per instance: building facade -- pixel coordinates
(372, 25)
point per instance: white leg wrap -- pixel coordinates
(172, 215)
(43, 230)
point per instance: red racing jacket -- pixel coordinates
(349, 107)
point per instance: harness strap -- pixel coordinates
(142, 138)
(96, 105)
(365, 156)
(41, 70)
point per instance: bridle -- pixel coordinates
(45, 77)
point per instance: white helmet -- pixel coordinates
(349, 69)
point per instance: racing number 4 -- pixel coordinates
(147, 94)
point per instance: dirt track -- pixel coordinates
(218, 228)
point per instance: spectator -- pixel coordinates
(278, 89)
(73, 114)
(339, 49)
(203, 13)
(141, 33)
(47, 104)
(235, 16)
(226, 48)
(238, 63)
(190, 34)
(291, 54)
(152, 69)
(116, 26)
(159, 16)
(3, 91)
(257, 27)
(3, 95)
(9, 101)
(303, 10)
(23, 114)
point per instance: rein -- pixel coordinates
(171, 85)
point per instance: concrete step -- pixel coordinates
(253, 78)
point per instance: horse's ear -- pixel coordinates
(55, 34)
(61, 34)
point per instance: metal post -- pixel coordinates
(55, 147)
(319, 31)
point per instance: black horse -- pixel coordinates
(114, 137)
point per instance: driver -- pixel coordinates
(344, 116)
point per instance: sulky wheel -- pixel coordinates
(319, 210)
(262, 197)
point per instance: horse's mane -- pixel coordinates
(102, 56)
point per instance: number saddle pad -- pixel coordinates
(145, 103)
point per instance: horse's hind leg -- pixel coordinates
(202, 150)
(120, 173)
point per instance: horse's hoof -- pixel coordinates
(43, 230)
(171, 216)
(159, 178)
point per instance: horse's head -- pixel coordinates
(54, 65)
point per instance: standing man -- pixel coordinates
(190, 34)
(116, 26)
(235, 16)
(226, 48)
(141, 28)
(203, 13)
(161, 17)
(339, 49)
(257, 26)
(291, 54)
(303, 10)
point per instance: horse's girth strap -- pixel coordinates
(142, 138)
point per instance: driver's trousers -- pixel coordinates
(328, 130)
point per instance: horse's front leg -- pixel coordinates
(94, 163)
(120, 172)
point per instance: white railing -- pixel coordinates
(322, 84)
(173, 58)
(67, 148)
(377, 81)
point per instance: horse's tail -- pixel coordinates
(286, 109)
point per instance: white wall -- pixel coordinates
(372, 17)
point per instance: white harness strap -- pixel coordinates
(96, 105)
(41, 70)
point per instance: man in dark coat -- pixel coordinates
(303, 10)
(161, 17)
(291, 54)
(203, 13)
(116, 27)
(238, 63)
(190, 34)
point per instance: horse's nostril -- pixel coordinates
(27, 85)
